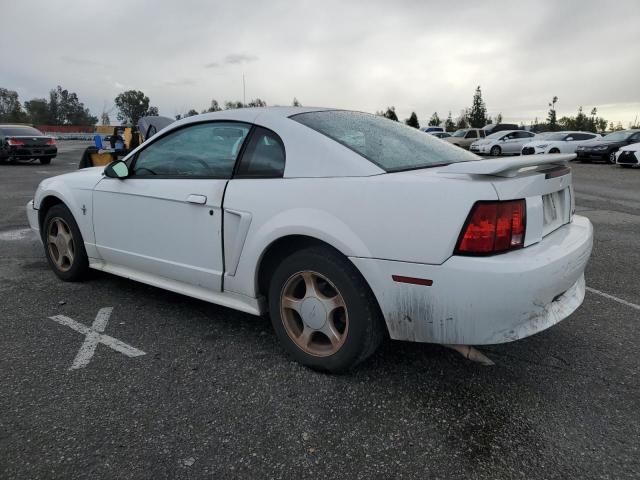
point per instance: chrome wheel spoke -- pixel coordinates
(332, 334)
(291, 303)
(305, 337)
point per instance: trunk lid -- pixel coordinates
(32, 141)
(544, 181)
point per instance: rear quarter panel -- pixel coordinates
(410, 216)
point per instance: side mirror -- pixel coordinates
(117, 169)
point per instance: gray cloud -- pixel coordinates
(233, 59)
(366, 54)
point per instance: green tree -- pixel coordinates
(601, 124)
(152, 112)
(463, 119)
(214, 107)
(66, 109)
(412, 121)
(231, 105)
(296, 103)
(390, 113)
(132, 105)
(499, 118)
(104, 119)
(37, 111)
(192, 112)
(257, 103)
(434, 121)
(449, 126)
(10, 106)
(552, 118)
(477, 116)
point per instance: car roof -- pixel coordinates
(313, 154)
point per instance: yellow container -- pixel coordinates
(101, 159)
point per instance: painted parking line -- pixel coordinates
(615, 299)
(94, 336)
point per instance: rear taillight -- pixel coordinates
(51, 141)
(15, 143)
(493, 227)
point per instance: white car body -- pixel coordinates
(506, 142)
(629, 155)
(557, 142)
(387, 224)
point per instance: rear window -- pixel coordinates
(390, 145)
(20, 131)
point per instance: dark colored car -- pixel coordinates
(605, 148)
(499, 127)
(22, 142)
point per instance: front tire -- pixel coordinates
(495, 151)
(63, 245)
(554, 150)
(45, 160)
(323, 312)
(612, 158)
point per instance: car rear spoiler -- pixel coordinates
(507, 167)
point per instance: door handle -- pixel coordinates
(198, 199)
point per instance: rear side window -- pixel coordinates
(20, 131)
(264, 156)
(390, 145)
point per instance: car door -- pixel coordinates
(165, 219)
(470, 137)
(518, 140)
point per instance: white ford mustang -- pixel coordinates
(344, 226)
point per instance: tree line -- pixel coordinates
(61, 108)
(476, 117)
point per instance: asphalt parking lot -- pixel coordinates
(210, 393)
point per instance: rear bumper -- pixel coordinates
(485, 300)
(32, 152)
(582, 155)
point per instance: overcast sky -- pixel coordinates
(365, 55)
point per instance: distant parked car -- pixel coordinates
(629, 156)
(509, 142)
(432, 129)
(558, 142)
(499, 127)
(22, 142)
(465, 137)
(440, 134)
(605, 148)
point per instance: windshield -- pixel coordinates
(617, 136)
(20, 131)
(390, 145)
(459, 133)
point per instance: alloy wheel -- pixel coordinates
(60, 244)
(314, 313)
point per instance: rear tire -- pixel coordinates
(612, 158)
(45, 160)
(495, 151)
(316, 290)
(63, 245)
(554, 150)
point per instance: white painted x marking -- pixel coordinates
(94, 336)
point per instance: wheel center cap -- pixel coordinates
(313, 313)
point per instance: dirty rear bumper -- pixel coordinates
(485, 300)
